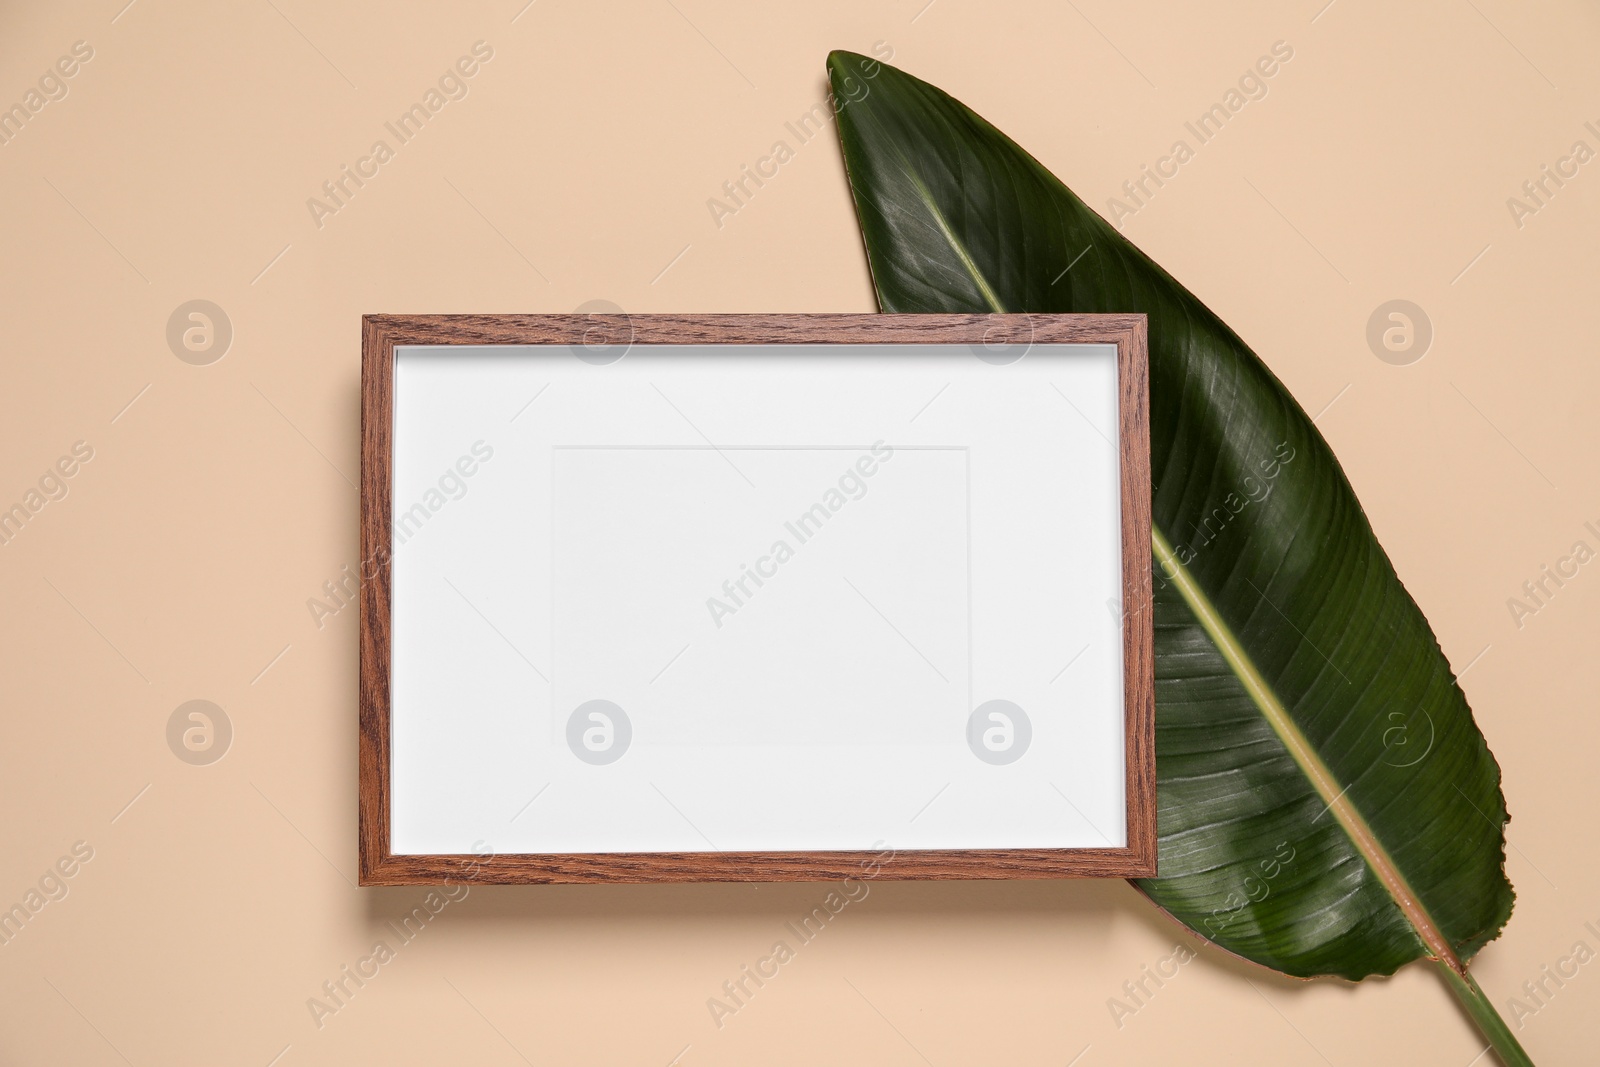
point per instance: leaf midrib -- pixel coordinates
(1304, 754)
(956, 244)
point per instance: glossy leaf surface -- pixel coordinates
(1326, 803)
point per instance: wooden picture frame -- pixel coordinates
(383, 334)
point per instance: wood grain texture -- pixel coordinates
(1138, 614)
(381, 334)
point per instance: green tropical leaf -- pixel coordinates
(1327, 806)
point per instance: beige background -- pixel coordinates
(578, 168)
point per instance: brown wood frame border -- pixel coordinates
(381, 334)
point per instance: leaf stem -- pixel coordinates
(1483, 1013)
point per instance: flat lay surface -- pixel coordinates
(204, 201)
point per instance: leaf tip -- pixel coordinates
(844, 65)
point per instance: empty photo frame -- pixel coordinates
(754, 598)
